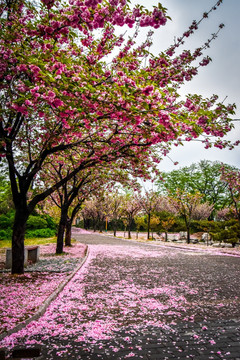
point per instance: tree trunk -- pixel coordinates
(94, 225)
(129, 229)
(166, 237)
(18, 234)
(188, 235)
(235, 205)
(114, 231)
(100, 225)
(148, 226)
(61, 230)
(68, 233)
(187, 223)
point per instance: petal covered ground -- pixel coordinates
(131, 288)
(21, 296)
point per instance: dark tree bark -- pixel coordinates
(21, 183)
(188, 235)
(187, 223)
(21, 216)
(61, 229)
(148, 226)
(94, 225)
(85, 224)
(129, 228)
(68, 232)
(114, 228)
(166, 236)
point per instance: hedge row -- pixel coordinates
(42, 226)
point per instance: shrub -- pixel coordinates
(40, 233)
(206, 226)
(6, 220)
(229, 235)
(178, 226)
(3, 235)
(51, 224)
(36, 222)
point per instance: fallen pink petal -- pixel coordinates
(124, 288)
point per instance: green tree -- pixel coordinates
(203, 177)
(231, 178)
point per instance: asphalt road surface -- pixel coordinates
(144, 301)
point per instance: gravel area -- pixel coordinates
(50, 262)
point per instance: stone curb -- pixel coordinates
(47, 302)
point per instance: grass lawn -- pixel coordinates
(29, 242)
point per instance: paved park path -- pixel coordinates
(143, 301)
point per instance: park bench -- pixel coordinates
(31, 254)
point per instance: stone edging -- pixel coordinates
(47, 302)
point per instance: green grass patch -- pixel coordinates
(30, 242)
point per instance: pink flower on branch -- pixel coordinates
(66, 100)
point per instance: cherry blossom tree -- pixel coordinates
(226, 213)
(189, 206)
(166, 213)
(64, 197)
(88, 212)
(139, 222)
(61, 93)
(148, 202)
(130, 208)
(115, 200)
(96, 209)
(85, 184)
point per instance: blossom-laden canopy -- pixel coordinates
(64, 88)
(58, 91)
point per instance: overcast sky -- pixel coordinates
(220, 77)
